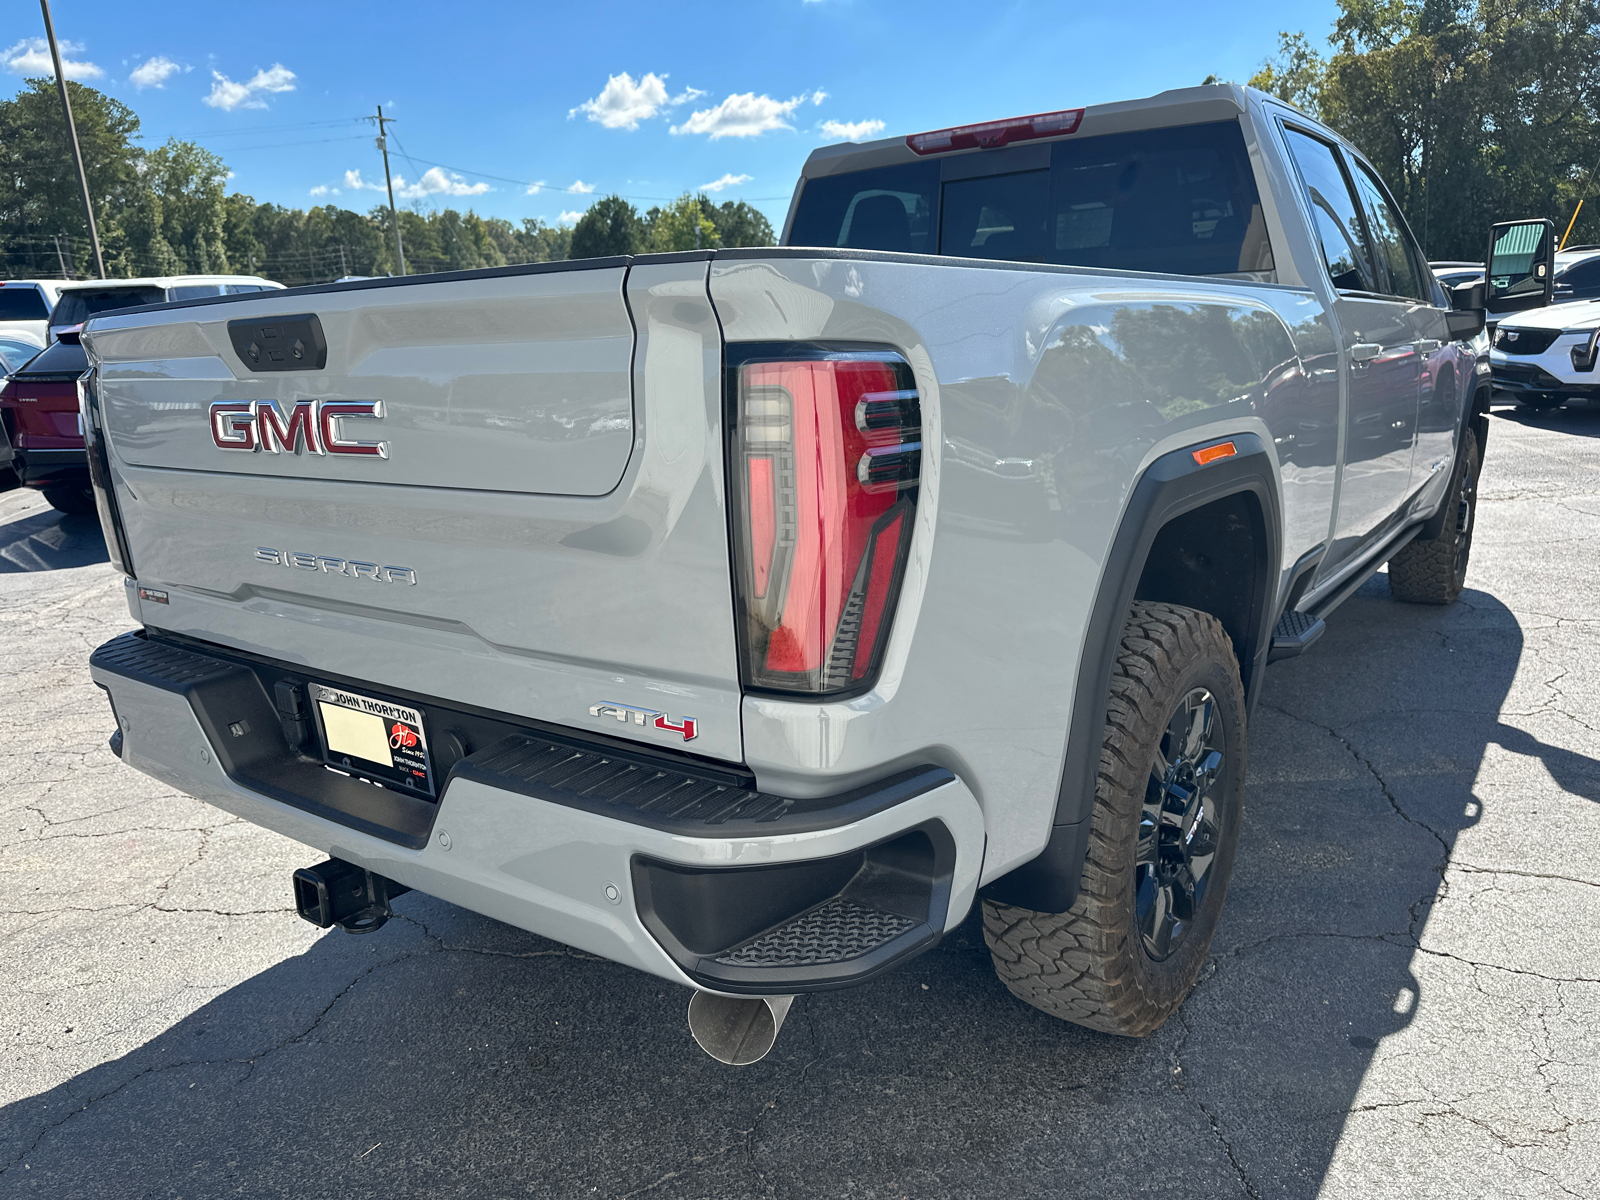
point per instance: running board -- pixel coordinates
(1295, 633)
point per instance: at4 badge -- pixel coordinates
(645, 716)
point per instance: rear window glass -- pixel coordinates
(22, 304)
(890, 208)
(194, 291)
(79, 304)
(59, 358)
(1181, 201)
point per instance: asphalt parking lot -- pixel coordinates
(1404, 998)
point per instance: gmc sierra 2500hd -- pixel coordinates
(746, 616)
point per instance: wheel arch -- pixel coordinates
(1190, 531)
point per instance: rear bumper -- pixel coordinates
(710, 885)
(52, 468)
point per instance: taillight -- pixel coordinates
(827, 450)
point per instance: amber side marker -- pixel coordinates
(1211, 453)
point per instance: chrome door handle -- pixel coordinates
(1363, 352)
(1428, 345)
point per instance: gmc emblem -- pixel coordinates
(256, 425)
(644, 716)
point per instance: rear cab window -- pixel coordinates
(77, 305)
(22, 303)
(1176, 200)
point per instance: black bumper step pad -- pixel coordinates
(835, 932)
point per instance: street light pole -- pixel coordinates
(72, 136)
(383, 144)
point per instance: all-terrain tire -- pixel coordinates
(1090, 965)
(1434, 571)
(75, 501)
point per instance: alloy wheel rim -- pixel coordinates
(1179, 825)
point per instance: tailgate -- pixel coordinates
(542, 531)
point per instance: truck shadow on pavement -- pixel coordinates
(50, 541)
(448, 1055)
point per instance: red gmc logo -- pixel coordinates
(311, 427)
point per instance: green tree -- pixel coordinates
(39, 194)
(740, 225)
(685, 224)
(187, 183)
(611, 226)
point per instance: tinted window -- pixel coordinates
(193, 291)
(239, 289)
(997, 216)
(890, 208)
(22, 304)
(59, 358)
(1179, 200)
(1333, 213)
(79, 304)
(1397, 271)
(1583, 278)
(16, 352)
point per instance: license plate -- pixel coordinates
(375, 739)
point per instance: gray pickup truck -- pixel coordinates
(747, 616)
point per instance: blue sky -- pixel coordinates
(523, 110)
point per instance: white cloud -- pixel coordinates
(818, 96)
(353, 181)
(228, 95)
(850, 131)
(622, 103)
(569, 218)
(580, 188)
(535, 188)
(436, 181)
(320, 190)
(31, 56)
(727, 181)
(153, 72)
(743, 114)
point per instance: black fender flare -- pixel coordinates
(1174, 484)
(1474, 416)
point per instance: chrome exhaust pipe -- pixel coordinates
(737, 1030)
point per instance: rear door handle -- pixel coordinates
(1363, 352)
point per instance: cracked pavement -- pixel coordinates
(1404, 998)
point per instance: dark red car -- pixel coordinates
(39, 409)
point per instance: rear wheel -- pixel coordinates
(1168, 805)
(1434, 571)
(70, 499)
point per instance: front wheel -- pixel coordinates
(1168, 805)
(1434, 571)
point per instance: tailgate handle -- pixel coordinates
(293, 343)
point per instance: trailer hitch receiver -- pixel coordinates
(340, 893)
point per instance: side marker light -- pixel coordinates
(1211, 453)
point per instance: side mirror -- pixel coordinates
(1466, 316)
(1521, 272)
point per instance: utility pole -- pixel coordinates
(383, 144)
(344, 266)
(59, 257)
(72, 136)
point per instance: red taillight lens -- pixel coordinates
(827, 453)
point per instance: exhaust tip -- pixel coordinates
(737, 1031)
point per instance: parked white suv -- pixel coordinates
(25, 306)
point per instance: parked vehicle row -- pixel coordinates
(39, 401)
